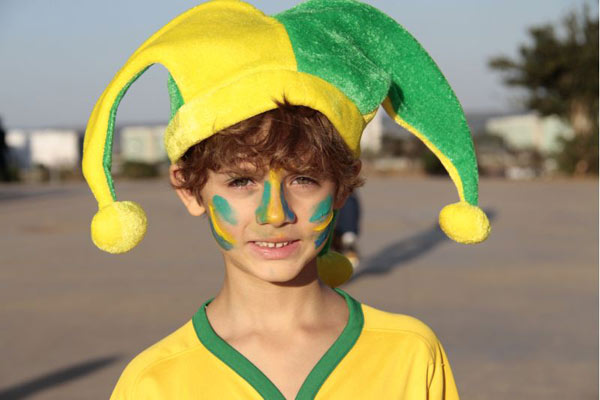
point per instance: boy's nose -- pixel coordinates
(273, 208)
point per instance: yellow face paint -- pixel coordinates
(224, 239)
(323, 225)
(323, 215)
(273, 208)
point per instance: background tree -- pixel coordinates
(559, 70)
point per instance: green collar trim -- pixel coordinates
(249, 372)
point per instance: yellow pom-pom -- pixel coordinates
(334, 268)
(464, 223)
(119, 227)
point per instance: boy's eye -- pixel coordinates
(240, 182)
(304, 180)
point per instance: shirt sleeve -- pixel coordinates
(122, 390)
(441, 385)
(133, 385)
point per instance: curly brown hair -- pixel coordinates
(295, 138)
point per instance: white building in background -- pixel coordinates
(372, 136)
(52, 148)
(55, 148)
(143, 144)
(530, 131)
(62, 148)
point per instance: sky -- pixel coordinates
(56, 57)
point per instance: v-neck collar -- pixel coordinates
(249, 372)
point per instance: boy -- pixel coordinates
(266, 119)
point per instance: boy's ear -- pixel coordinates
(188, 199)
(342, 197)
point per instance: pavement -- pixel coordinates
(517, 314)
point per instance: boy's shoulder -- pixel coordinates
(176, 343)
(167, 356)
(398, 328)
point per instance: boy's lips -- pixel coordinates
(281, 239)
(274, 249)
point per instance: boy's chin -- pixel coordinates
(281, 272)
(299, 277)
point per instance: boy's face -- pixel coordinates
(269, 225)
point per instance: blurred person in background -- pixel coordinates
(347, 230)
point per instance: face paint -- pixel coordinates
(221, 236)
(323, 215)
(273, 207)
(261, 211)
(322, 210)
(325, 234)
(288, 213)
(224, 210)
(225, 245)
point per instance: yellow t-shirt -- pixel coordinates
(378, 355)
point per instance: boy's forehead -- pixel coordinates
(262, 166)
(259, 171)
(250, 170)
(244, 167)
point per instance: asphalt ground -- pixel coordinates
(518, 314)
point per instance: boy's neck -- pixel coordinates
(248, 304)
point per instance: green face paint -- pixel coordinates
(323, 236)
(225, 245)
(322, 210)
(261, 211)
(323, 215)
(289, 214)
(224, 210)
(220, 206)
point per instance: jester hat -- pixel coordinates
(227, 61)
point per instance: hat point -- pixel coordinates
(464, 223)
(119, 227)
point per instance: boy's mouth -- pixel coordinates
(275, 249)
(273, 243)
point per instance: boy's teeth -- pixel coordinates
(272, 245)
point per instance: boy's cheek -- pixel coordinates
(221, 214)
(224, 210)
(322, 211)
(223, 239)
(322, 220)
(323, 231)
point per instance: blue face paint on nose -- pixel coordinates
(261, 211)
(289, 214)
